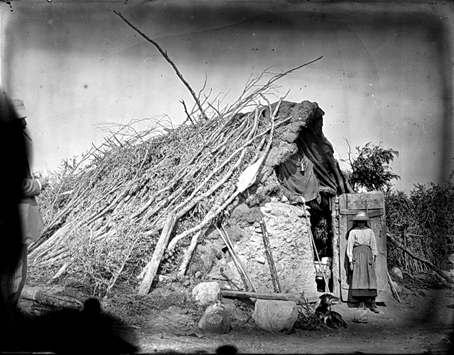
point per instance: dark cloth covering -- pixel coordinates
(313, 165)
(297, 175)
(320, 152)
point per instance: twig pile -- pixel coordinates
(421, 226)
(122, 204)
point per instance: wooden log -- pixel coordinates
(268, 296)
(153, 265)
(49, 297)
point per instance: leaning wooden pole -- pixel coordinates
(230, 246)
(239, 267)
(188, 254)
(393, 288)
(153, 265)
(269, 256)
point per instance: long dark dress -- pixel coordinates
(361, 249)
(364, 281)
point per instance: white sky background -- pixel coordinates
(385, 76)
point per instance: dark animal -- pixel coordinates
(325, 313)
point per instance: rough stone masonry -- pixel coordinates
(290, 244)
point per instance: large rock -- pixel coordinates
(215, 319)
(360, 316)
(275, 316)
(398, 272)
(206, 293)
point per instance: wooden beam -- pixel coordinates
(266, 296)
(358, 201)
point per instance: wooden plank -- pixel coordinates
(371, 213)
(358, 201)
(381, 265)
(343, 263)
(348, 212)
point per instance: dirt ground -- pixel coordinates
(420, 324)
(166, 321)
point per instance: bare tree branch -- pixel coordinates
(186, 111)
(164, 54)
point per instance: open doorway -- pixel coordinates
(322, 230)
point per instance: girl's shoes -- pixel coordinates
(374, 308)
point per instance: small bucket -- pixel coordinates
(323, 267)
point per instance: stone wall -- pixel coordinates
(290, 246)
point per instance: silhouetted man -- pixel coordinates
(20, 220)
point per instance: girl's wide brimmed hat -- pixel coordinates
(361, 216)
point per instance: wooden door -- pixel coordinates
(374, 204)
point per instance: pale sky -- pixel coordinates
(385, 76)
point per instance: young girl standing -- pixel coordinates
(362, 255)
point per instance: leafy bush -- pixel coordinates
(370, 169)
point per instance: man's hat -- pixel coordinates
(21, 111)
(361, 216)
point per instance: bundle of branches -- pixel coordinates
(111, 216)
(421, 225)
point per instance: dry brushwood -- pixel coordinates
(137, 197)
(426, 262)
